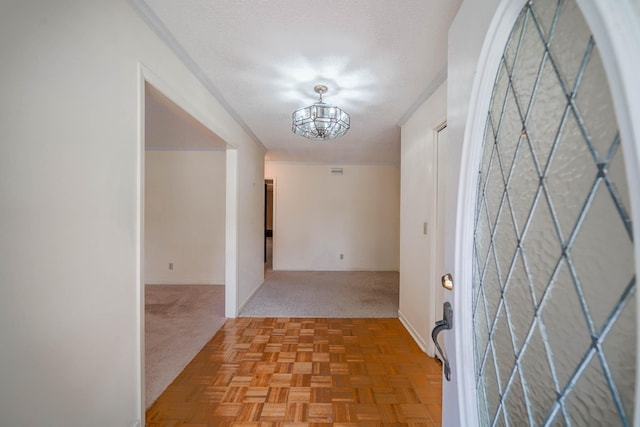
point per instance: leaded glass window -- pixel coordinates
(554, 276)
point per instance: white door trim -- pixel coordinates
(231, 236)
(435, 233)
(140, 182)
(273, 220)
(492, 49)
(146, 75)
(616, 29)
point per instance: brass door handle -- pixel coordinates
(447, 282)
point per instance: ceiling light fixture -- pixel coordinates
(320, 121)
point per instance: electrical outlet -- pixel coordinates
(170, 266)
(341, 256)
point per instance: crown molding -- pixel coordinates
(440, 78)
(158, 27)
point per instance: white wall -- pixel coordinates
(185, 217)
(250, 235)
(418, 189)
(69, 169)
(319, 216)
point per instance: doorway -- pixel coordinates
(268, 224)
(193, 127)
(184, 217)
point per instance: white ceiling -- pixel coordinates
(379, 58)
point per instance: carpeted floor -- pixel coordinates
(346, 294)
(179, 320)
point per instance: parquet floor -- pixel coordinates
(305, 372)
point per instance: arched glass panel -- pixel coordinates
(554, 277)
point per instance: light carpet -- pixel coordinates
(347, 294)
(179, 321)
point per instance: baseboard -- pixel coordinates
(182, 282)
(241, 306)
(412, 331)
(339, 270)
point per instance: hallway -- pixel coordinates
(286, 372)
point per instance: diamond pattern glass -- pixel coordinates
(541, 391)
(516, 403)
(622, 364)
(518, 295)
(554, 276)
(523, 185)
(571, 175)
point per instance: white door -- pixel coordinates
(546, 332)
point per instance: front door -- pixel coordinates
(552, 304)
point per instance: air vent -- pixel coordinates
(336, 171)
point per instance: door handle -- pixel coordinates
(441, 325)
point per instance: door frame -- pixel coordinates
(266, 212)
(146, 75)
(437, 262)
(273, 218)
(616, 29)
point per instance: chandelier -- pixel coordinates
(320, 121)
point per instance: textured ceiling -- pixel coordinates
(379, 58)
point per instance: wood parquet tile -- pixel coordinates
(285, 372)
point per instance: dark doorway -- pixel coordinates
(268, 216)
